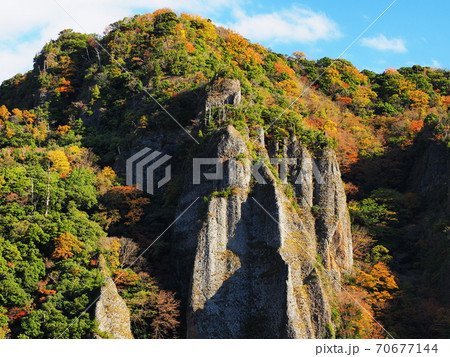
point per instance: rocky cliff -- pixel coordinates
(111, 311)
(250, 256)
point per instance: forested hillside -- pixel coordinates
(67, 218)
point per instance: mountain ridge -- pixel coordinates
(78, 114)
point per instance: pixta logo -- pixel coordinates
(141, 167)
(282, 164)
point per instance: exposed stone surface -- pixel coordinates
(223, 91)
(111, 312)
(247, 263)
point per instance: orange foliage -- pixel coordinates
(67, 66)
(46, 292)
(356, 316)
(350, 189)
(391, 70)
(29, 118)
(281, 67)
(446, 100)
(416, 126)
(345, 100)
(65, 86)
(62, 130)
(161, 11)
(379, 282)
(126, 277)
(66, 245)
(347, 150)
(17, 113)
(190, 47)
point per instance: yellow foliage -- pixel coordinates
(405, 85)
(330, 125)
(205, 28)
(419, 98)
(333, 75)
(113, 258)
(59, 161)
(363, 96)
(74, 150)
(355, 73)
(40, 133)
(4, 113)
(9, 133)
(109, 173)
(143, 122)
(4, 331)
(289, 86)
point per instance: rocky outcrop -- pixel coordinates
(247, 258)
(223, 91)
(111, 311)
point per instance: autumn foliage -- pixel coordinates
(166, 321)
(66, 246)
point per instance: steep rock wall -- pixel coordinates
(247, 263)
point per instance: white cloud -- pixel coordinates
(435, 64)
(28, 24)
(287, 25)
(382, 43)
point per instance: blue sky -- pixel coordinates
(410, 32)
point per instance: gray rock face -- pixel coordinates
(223, 91)
(247, 262)
(111, 312)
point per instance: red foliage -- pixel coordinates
(17, 313)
